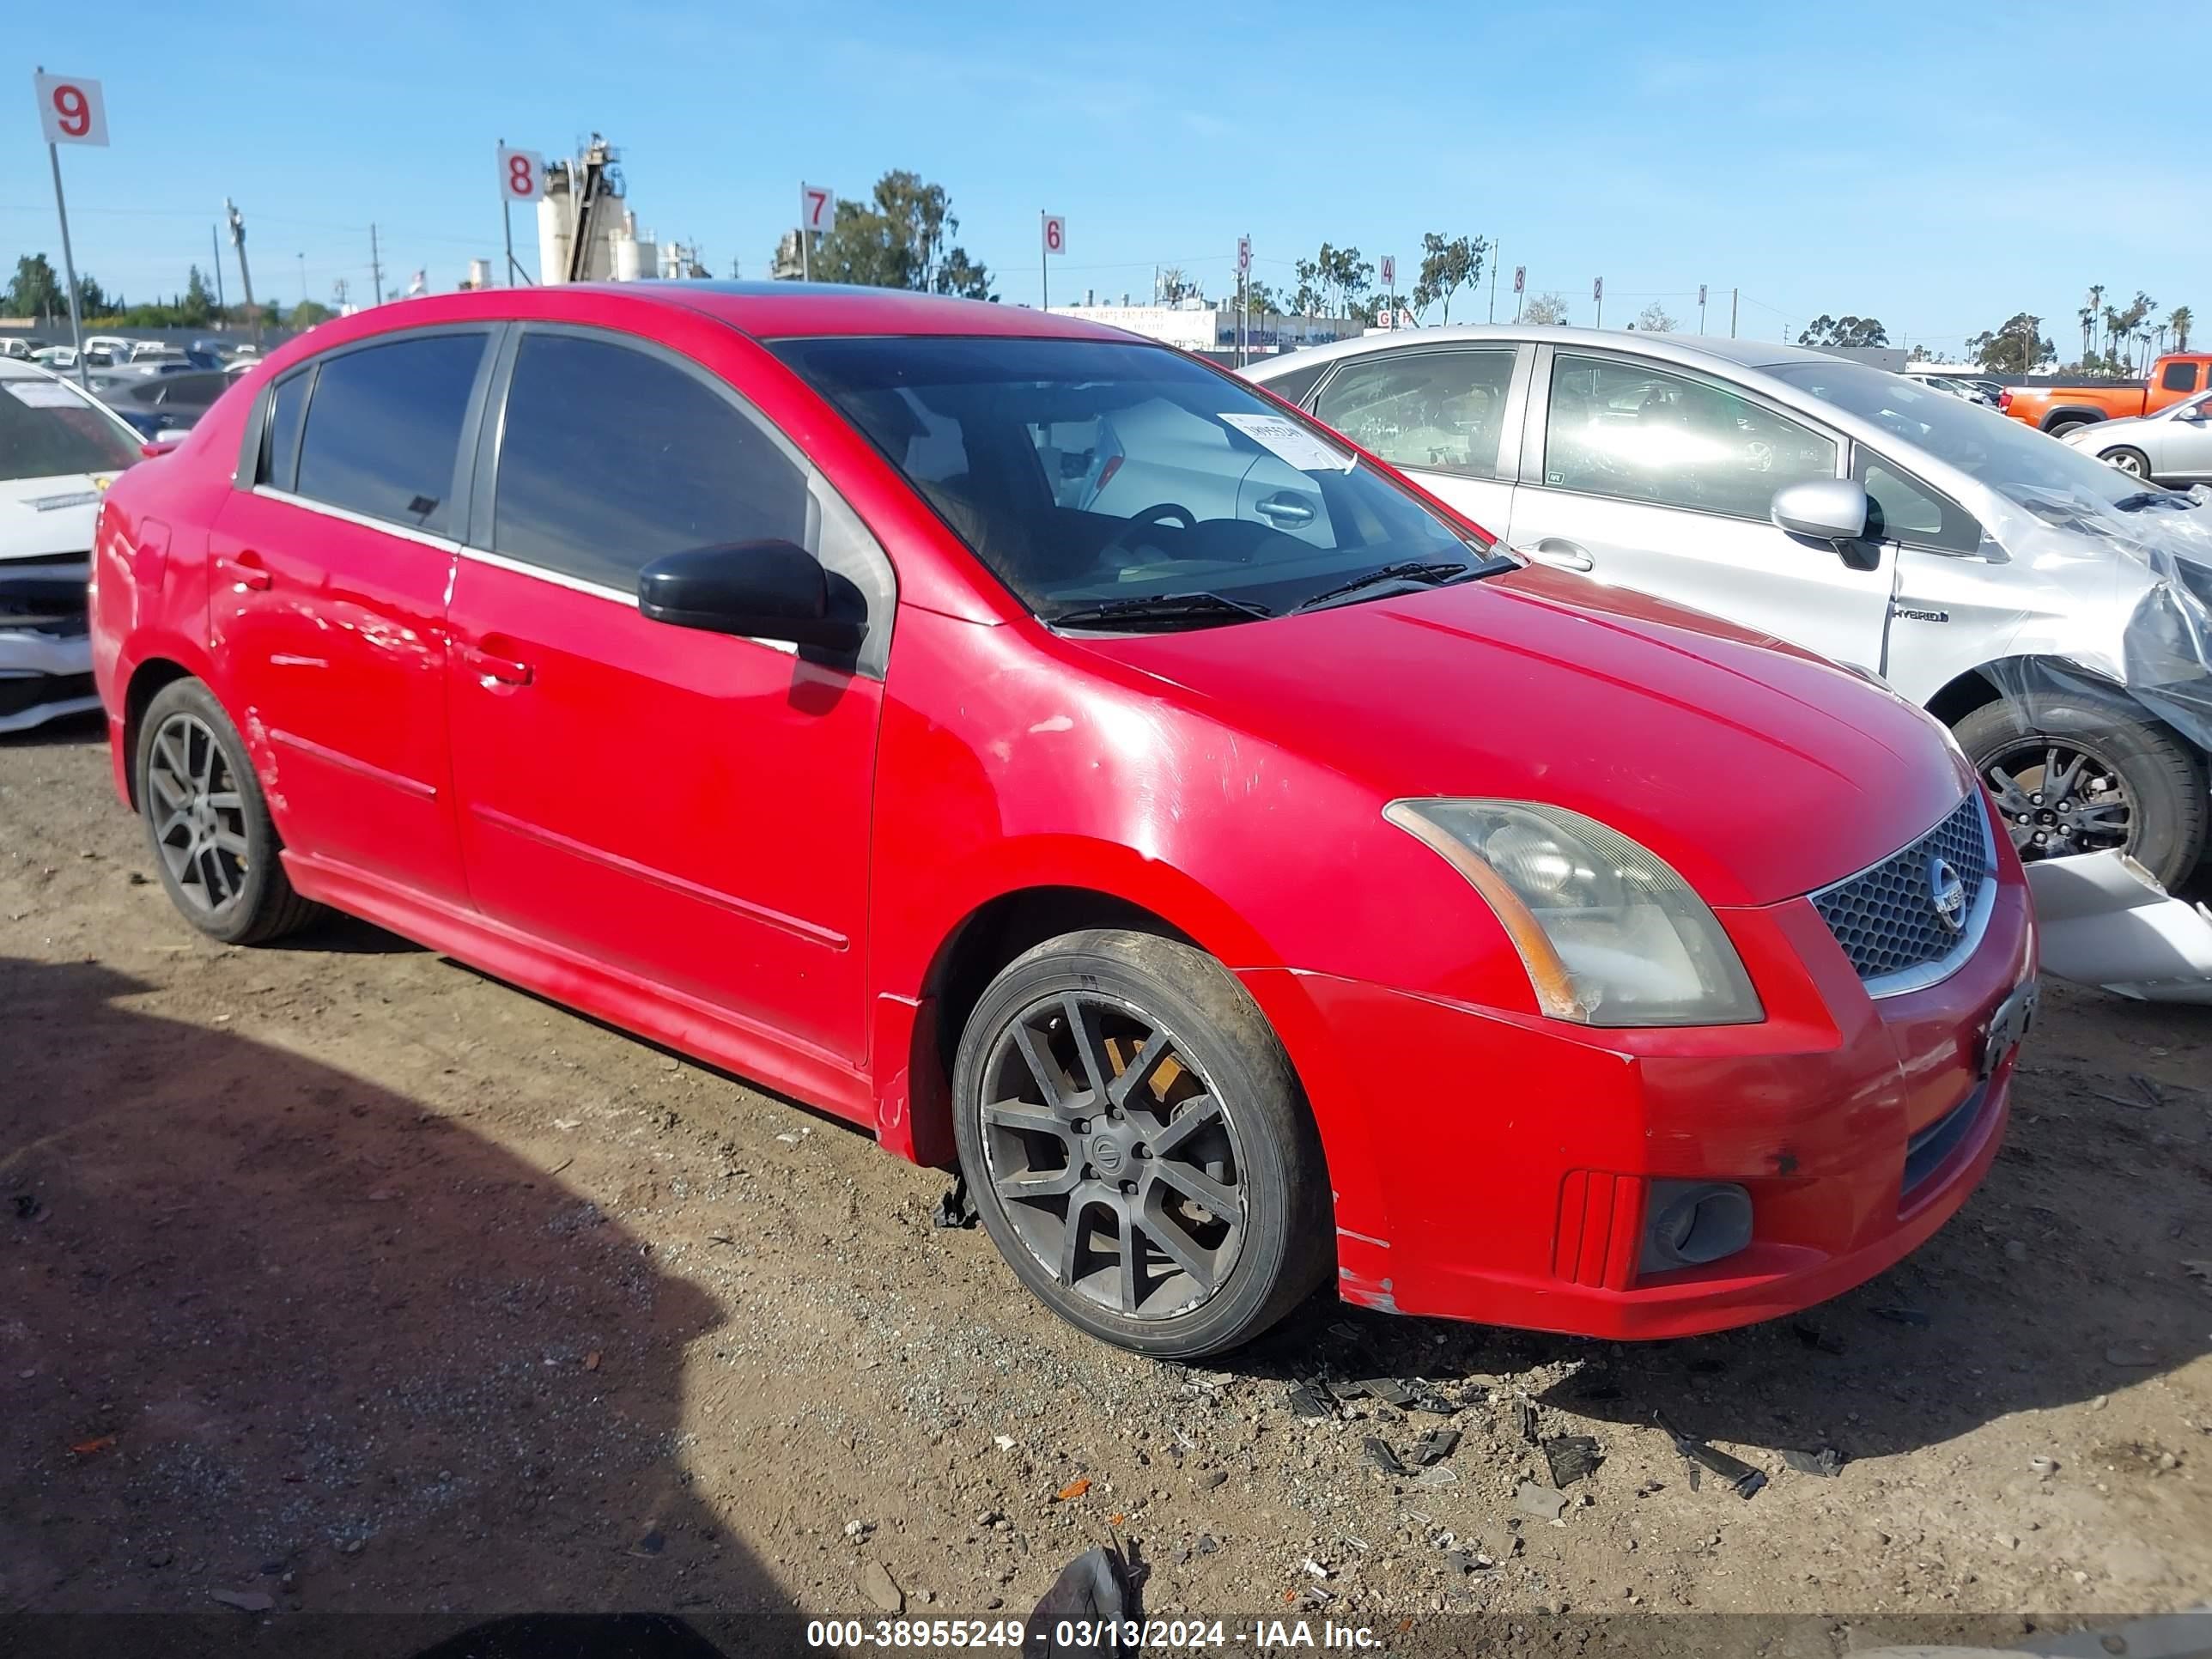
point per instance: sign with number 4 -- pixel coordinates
(521, 175)
(72, 109)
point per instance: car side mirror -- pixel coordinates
(1831, 510)
(765, 590)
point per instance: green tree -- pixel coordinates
(1173, 288)
(901, 237)
(94, 301)
(197, 306)
(36, 291)
(1259, 300)
(1447, 266)
(306, 314)
(1827, 331)
(2092, 309)
(1547, 307)
(2016, 346)
(2180, 321)
(1655, 318)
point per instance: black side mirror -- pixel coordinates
(771, 590)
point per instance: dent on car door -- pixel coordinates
(1449, 417)
(329, 569)
(688, 807)
(1647, 476)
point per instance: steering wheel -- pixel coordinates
(1164, 512)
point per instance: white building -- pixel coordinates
(1204, 326)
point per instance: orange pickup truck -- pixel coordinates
(2058, 410)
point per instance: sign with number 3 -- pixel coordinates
(521, 175)
(72, 109)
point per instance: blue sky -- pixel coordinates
(1922, 163)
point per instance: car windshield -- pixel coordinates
(1991, 447)
(48, 428)
(1091, 474)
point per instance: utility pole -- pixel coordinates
(302, 257)
(245, 276)
(1734, 294)
(1493, 282)
(375, 271)
(214, 244)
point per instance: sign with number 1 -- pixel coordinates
(521, 174)
(72, 109)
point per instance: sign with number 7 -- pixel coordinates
(817, 207)
(72, 109)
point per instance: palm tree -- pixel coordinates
(2088, 315)
(2178, 320)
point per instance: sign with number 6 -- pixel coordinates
(1056, 234)
(817, 207)
(72, 109)
(521, 174)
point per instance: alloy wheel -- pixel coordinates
(2129, 464)
(1117, 1163)
(2058, 797)
(198, 814)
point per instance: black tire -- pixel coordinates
(236, 891)
(1263, 1134)
(2160, 775)
(2125, 458)
(2059, 428)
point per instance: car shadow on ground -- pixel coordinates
(276, 1334)
(2059, 1281)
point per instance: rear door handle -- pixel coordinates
(1561, 555)
(505, 669)
(246, 569)
(1288, 510)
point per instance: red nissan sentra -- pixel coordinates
(1052, 754)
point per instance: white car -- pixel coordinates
(2173, 446)
(59, 450)
(2054, 613)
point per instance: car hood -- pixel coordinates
(1758, 771)
(41, 517)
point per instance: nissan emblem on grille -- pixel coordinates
(1947, 892)
(1902, 919)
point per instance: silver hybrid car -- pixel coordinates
(2056, 614)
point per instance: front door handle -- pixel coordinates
(246, 569)
(1560, 554)
(505, 669)
(1284, 509)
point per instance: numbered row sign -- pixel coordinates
(1389, 273)
(817, 207)
(521, 174)
(1056, 234)
(71, 110)
(1243, 255)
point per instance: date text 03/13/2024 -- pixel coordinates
(941, 1635)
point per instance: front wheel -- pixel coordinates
(2079, 772)
(2133, 462)
(1139, 1146)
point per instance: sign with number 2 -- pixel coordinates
(521, 175)
(72, 109)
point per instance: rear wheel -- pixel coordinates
(2081, 774)
(207, 822)
(2060, 428)
(2133, 462)
(1139, 1146)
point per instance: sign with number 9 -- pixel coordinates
(71, 110)
(521, 175)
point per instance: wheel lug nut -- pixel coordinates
(2038, 799)
(1081, 1126)
(1141, 1150)
(1128, 1189)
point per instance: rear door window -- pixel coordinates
(280, 433)
(383, 432)
(1440, 409)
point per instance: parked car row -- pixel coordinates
(1855, 513)
(1054, 755)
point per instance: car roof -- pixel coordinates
(1680, 348)
(22, 368)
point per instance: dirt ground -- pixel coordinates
(339, 1274)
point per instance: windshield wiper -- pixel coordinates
(1435, 572)
(1159, 608)
(2143, 498)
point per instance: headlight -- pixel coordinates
(1610, 935)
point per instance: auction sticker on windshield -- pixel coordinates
(1291, 442)
(43, 394)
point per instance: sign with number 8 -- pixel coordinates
(72, 109)
(521, 175)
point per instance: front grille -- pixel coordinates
(45, 595)
(1885, 918)
(36, 691)
(1926, 1151)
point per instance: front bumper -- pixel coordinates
(43, 677)
(1494, 1165)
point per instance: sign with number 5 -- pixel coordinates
(72, 109)
(521, 175)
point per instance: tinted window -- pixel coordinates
(280, 433)
(383, 433)
(1908, 511)
(1434, 409)
(1089, 471)
(610, 458)
(2178, 377)
(1621, 428)
(1293, 385)
(46, 428)
(199, 388)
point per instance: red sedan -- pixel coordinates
(1056, 755)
